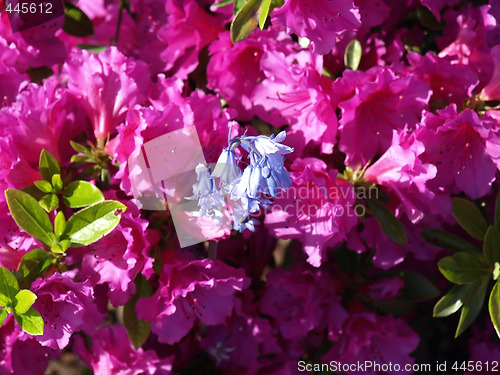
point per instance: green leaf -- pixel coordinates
(33, 265)
(473, 303)
(452, 301)
(8, 286)
(81, 193)
(417, 287)
(391, 226)
(447, 240)
(352, 55)
(50, 202)
(138, 330)
(23, 301)
(223, 3)
(238, 4)
(48, 165)
(469, 217)
(92, 47)
(33, 191)
(76, 22)
(496, 271)
(31, 322)
(494, 307)
(80, 148)
(3, 315)
(464, 267)
(91, 223)
(57, 182)
(264, 12)
(491, 245)
(80, 159)
(59, 224)
(29, 215)
(44, 186)
(246, 21)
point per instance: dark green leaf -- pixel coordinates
(57, 182)
(491, 245)
(464, 267)
(48, 165)
(494, 307)
(264, 12)
(31, 322)
(33, 191)
(223, 3)
(246, 21)
(3, 316)
(417, 287)
(452, 301)
(50, 202)
(8, 286)
(469, 217)
(80, 159)
(33, 265)
(447, 240)
(92, 47)
(76, 22)
(81, 193)
(80, 148)
(391, 226)
(39, 73)
(352, 55)
(91, 223)
(29, 215)
(23, 301)
(138, 330)
(473, 303)
(44, 186)
(497, 212)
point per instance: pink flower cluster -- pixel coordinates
(319, 280)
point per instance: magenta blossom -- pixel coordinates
(318, 209)
(321, 21)
(107, 84)
(380, 339)
(111, 353)
(66, 307)
(190, 290)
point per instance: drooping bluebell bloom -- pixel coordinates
(226, 168)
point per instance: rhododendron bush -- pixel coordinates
(250, 186)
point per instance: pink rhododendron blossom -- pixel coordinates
(112, 353)
(318, 209)
(383, 289)
(373, 104)
(464, 147)
(120, 256)
(107, 84)
(66, 307)
(298, 306)
(369, 337)
(202, 289)
(401, 170)
(321, 21)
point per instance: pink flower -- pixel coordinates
(464, 147)
(374, 104)
(400, 169)
(108, 84)
(111, 353)
(202, 289)
(318, 209)
(321, 21)
(120, 256)
(66, 307)
(12, 79)
(302, 301)
(380, 339)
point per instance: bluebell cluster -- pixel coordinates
(264, 174)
